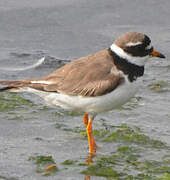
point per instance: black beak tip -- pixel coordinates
(161, 55)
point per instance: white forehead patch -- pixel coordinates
(139, 61)
(133, 44)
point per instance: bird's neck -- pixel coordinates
(131, 70)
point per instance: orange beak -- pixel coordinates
(157, 54)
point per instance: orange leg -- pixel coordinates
(88, 124)
(89, 135)
(94, 143)
(85, 119)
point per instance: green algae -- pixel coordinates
(58, 114)
(67, 113)
(9, 101)
(127, 134)
(69, 162)
(98, 134)
(165, 177)
(160, 86)
(128, 162)
(42, 159)
(132, 158)
(122, 134)
(75, 113)
(7, 178)
(127, 149)
(42, 162)
(98, 170)
(117, 166)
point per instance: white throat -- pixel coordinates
(139, 61)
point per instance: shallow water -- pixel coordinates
(61, 31)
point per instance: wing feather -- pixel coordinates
(93, 75)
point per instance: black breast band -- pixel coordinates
(133, 71)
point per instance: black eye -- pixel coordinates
(137, 50)
(149, 50)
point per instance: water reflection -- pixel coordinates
(87, 178)
(90, 158)
(89, 161)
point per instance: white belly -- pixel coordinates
(95, 105)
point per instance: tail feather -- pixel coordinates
(10, 89)
(12, 86)
(15, 86)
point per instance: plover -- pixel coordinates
(95, 83)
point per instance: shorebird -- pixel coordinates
(95, 83)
